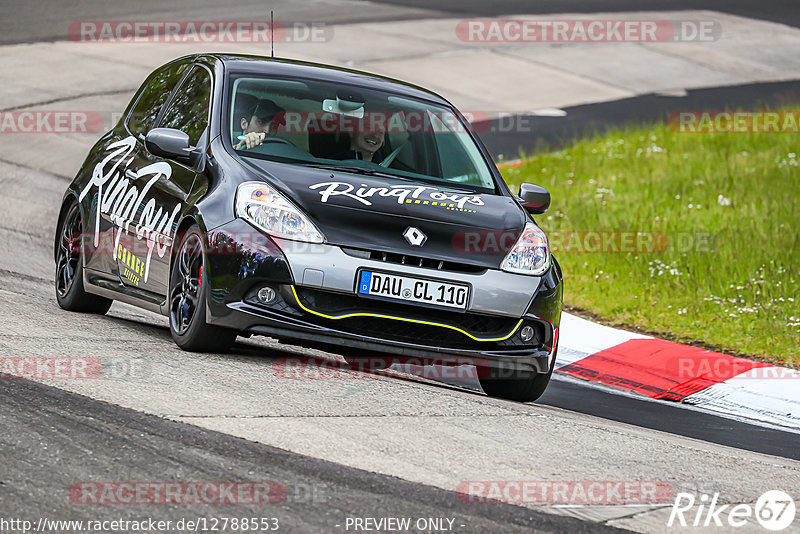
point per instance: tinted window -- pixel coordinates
(188, 110)
(314, 122)
(153, 96)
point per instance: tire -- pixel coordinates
(70, 292)
(520, 386)
(187, 300)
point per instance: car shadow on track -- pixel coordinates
(297, 362)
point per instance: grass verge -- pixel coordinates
(693, 235)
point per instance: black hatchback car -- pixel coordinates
(317, 205)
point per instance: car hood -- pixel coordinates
(373, 213)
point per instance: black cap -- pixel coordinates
(266, 109)
(243, 106)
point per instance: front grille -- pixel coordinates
(406, 332)
(481, 326)
(414, 261)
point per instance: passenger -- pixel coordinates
(364, 145)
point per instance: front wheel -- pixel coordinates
(520, 386)
(70, 292)
(187, 300)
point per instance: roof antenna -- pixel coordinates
(272, 33)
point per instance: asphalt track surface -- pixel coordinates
(512, 135)
(666, 417)
(48, 20)
(51, 437)
(783, 11)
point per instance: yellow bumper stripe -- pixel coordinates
(406, 320)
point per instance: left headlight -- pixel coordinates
(272, 212)
(531, 253)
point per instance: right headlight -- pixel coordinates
(530, 254)
(275, 214)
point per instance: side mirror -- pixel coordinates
(535, 198)
(169, 143)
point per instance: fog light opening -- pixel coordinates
(266, 295)
(527, 333)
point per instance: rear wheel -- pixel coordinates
(187, 300)
(70, 292)
(520, 386)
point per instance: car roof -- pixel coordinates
(248, 64)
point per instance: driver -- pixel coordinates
(265, 116)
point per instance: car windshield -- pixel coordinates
(352, 128)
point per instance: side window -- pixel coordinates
(152, 98)
(188, 110)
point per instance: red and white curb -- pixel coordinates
(665, 370)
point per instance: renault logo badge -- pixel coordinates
(415, 236)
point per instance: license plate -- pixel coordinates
(409, 289)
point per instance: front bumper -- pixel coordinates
(316, 306)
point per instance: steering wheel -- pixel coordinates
(275, 140)
(267, 140)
